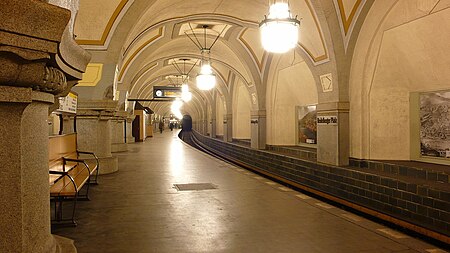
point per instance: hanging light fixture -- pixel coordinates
(186, 95)
(279, 30)
(206, 79)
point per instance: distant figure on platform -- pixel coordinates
(161, 126)
(171, 126)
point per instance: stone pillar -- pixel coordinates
(24, 198)
(68, 124)
(129, 129)
(213, 128)
(258, 129)
(39, 62)
(228, 128)
(94, 132)
(333, 133)
(118, 132)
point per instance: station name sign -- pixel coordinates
(327, 120)
(166, 92)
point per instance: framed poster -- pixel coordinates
(435, 124)
(307, 124)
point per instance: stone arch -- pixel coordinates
(292, 84)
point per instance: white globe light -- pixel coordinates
(206, 80)
(279, 32)
(184, 88)
(176, 106)
(186, 97)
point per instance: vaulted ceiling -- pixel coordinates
(144, 37)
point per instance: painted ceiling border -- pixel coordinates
(138, 50)
(347, 24)
(114, 20)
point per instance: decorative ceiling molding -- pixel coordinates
(347, 24)
(321, 58)
(102, 44)
(143, 46)
(247, 46)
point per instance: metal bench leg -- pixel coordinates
(74, 206)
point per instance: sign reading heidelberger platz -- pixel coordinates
(68, 103)
(327, 120)
(166, 92)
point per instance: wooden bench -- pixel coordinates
(68, 174)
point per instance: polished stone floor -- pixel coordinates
(137, 209)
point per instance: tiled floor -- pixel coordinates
(138, 210)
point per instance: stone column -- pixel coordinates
(118, 132)
(24, 195)
(333, 133)
(213, 128)
(68, 124)
(39, 61)
(94, 132)
(129, 129)
(258, 129)
(228, 128)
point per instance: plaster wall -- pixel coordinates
(241, 113)
(402, 48)
(293, 86)
(219, 115)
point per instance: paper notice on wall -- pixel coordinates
(68, 103)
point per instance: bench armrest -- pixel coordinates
(89, 153)
(57, 172)
(64, 173)
(78, 161)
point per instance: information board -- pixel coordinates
(166, 92)
(68, 103)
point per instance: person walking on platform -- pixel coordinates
(161, 126)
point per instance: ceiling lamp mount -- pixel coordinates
(186, 95)
(206, 79)
(279, 30)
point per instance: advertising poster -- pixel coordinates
(435, 124)
(307, 124)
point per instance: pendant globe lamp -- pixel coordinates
(206, 79)
(186, 95)
(279, 30)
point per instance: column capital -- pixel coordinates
(36, 50)
(333, 107)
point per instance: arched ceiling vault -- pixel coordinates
(142, 36)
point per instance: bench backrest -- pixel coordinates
(61, 146)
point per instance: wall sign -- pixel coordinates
(327, 120)
(68, 103)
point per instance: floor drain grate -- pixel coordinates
(195, 187)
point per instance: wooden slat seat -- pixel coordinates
(67, 173)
